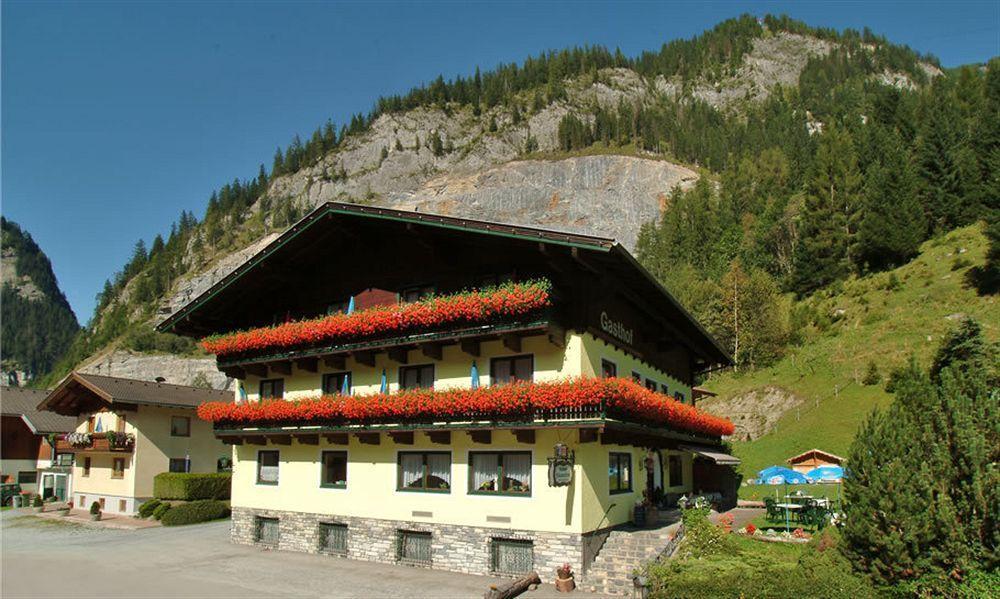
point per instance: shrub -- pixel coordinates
(146, 509)
(37, 501)
(872, 376)
(701, 537)
(191, 486)
(196, 511)
(95, 508)
(160, 510)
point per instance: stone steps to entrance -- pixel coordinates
(623, 552)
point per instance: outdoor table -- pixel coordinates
(789, 507)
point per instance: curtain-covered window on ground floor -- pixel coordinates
(619, 472)
(424, 471)
(506, 472)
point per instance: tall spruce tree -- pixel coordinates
(892, 222)
(828, 219)
(921, 499)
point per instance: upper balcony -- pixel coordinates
(507, 312)
(110, 442)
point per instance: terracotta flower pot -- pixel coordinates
(565, 585)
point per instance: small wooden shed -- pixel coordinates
(814, 458)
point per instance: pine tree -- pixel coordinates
(937, 149)
(892, 225)
(831, 202)
(437, 148)
(963, 349)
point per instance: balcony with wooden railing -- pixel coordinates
(109, 442)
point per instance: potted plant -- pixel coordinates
(95, 511)
(37, 505)
(639, 513)
(564, 579)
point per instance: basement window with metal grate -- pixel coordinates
(266, 531)
(413, 547)
(512, 557)
(333, 538)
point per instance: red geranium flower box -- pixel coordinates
(619, 398)
(495, 304)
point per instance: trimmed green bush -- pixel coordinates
(196, 511)
(190, 486)
(146, 509)
(160, 510)
(95, 507)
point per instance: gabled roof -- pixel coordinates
(339, 245)
(805, 454)
(17, 401)
(78, 390)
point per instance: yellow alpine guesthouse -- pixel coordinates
(460, 394)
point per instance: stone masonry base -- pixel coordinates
(455, 548)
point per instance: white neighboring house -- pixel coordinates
(28, 455)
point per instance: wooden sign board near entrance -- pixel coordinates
(560, 472)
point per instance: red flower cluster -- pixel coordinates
(505, 301)
(620, 397)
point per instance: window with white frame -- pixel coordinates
(500, 472)
(424, 471)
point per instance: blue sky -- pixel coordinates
(116, 116)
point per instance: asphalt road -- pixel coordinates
(50, 558)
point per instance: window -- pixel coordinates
(676, 469)
(636, 378)
(424, 471)
(504, 473)
(178, 465)
(334, 469)
(416, 377)
(91, 424)
(413, 547)
(118, 468)
(122, 506)
(651, 385)
(267, 467)
(334, 383)
(509, 370)
(266, 531)
(415, 294)
(511, 556)
(333, 538)
(664, 389)
(608, 369)
(338, 307)
(100, 502)
(272, 388)
(64, 459)
(180, 426)
(86, 466)
(620, 472)
(27, 477)
(680, 397)
(120, 423)
(224, 464)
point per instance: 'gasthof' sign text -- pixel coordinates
(616, 329)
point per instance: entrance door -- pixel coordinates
(60, 487)
(48, 486)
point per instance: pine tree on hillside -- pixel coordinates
(831, 205)
(938, 144)
(964, 349)
(892, 225)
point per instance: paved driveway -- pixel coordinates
(45, 558)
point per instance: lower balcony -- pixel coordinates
(112, 442)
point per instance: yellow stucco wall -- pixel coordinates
(593, 350)
(100, 481)
(585, 505)
(453, 370)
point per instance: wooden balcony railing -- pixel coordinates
(96, 443)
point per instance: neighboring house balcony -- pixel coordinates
(110, 442)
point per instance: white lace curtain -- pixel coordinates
(518, 467)
(484, 471)
(439, 466)
(413, 469)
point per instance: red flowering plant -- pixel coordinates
(617, 398)
(492, 304)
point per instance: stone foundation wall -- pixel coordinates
(455, 548)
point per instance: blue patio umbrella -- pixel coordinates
(385, 383)
(345, 389)
(350, 305)
(779, 475)
(826, 473)
(475, 375)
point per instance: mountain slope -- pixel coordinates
(505, 145)
(818, 390)
(38, 323)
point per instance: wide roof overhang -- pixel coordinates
(340, 249)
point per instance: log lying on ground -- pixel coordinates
(513, 588)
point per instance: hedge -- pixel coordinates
(146, 509)
(190, 486)
(160, 510)
(196, 511)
